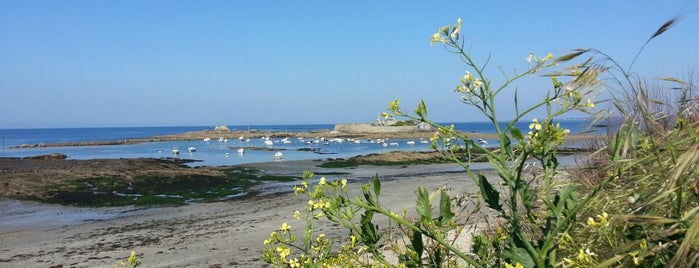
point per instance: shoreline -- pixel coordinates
(253, 134)
(220, 234)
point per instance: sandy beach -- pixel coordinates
(222, 234)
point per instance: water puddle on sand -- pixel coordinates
(28, 215)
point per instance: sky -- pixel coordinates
(174, 63)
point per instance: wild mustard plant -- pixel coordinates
(540, 213)
(131, 262)
(283, 248)
(536, 211)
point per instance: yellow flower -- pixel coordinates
(294, 263)
(590, 104)
(535, 125)
(517, 265)
(343, 182)
(353, 240)
(285, 227)
(394, 106)
(591, 222)
(297, 215)
(322, 181)
(283, 252)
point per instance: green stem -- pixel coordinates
(403, 222)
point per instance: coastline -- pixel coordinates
(254, 134)
(221, 234)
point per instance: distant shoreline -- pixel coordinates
(255, 134)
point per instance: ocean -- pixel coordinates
(212, 153)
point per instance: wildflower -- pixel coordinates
(283, 251)
(343, 183)
(535, 125)
(353, 240)
(531, 56)
(477, 83)
(297, 215)
(603, 219)
(501, 234)
(590, 104)
(455, 34)
(322, 181)
(294, 263)
(298, 190)
(591, 222)
(394, 106)
(517, 265)
(285, 228)
(585, 257)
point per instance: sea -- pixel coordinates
(215, 152)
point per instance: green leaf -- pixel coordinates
(423, 205)
(377, 186)
(570, 56)
(367, 195)
(445, 213)
(421, 111)
(417, 244)
(490, 195)
(520, 255)
(370, 235)
(516, 134)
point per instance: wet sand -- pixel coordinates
(224, 234)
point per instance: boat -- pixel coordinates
(482, 141)
(278, 156)
(191, 149)
(410, 142)
(175, 151)
(241, 150)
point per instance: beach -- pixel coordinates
(220, 234)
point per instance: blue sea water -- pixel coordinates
(213, 153)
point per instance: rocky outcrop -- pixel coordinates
(54, 156)
(222, 129)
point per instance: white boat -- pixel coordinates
(175, 151)
(424, 141)
(241, 150)
(482, 141)
(410, 142)
(191, 149)
(207, 139)
(268, 142)
(278, 156)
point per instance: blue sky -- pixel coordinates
(160, 63)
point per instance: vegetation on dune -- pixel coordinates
(635, 204)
